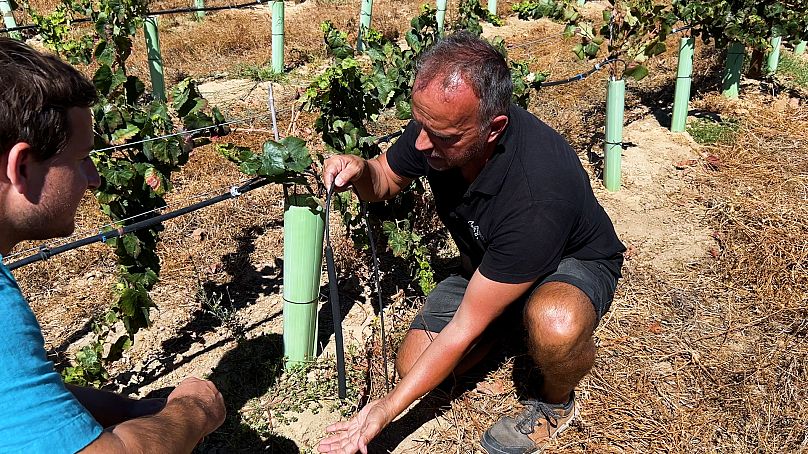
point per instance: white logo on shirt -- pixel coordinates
(475, 230)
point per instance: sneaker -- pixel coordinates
(532, 430)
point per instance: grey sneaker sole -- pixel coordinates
(489, 444)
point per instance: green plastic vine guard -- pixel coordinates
(613, 147)
(199, 15)
(681, 97)
(774, 56)
(277, 36)
(799, 49)
(492, 7)
(155, 58)
(732, 70)
(303, 228)
(365, 14)
(440, 14)
(8, 18)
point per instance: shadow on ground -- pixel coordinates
(438, 401)
(243, 375)
(221, 303)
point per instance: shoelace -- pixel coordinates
(535, 409)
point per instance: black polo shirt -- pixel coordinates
(531, 205)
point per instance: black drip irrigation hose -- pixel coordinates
(46, 253)
(204, 9)
(150, 13)
(681, 29)
(333, 289)
(581, 76)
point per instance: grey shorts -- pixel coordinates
(595, 278)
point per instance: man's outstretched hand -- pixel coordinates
(354, 435)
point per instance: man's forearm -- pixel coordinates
(175, 429)
(434, 366)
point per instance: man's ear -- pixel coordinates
(17, 166)
(498, 125)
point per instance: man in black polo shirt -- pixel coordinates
(531, 235)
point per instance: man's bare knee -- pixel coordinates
(414, 344)
(559, 320)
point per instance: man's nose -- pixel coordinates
(422, 142)
(93, 178)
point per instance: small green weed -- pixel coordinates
(225, 314)
(705, 131)
(794, 69)
(259, 73)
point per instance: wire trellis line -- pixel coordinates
(190, 131)
(81, 20)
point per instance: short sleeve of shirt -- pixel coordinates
(528, 243)
(403, 158)
(37, 412)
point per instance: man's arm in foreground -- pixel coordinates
(110, 408)
(483, 302)
(193, 410)
(373, 179)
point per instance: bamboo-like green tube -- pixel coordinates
(613, 147)
(303, 227)
(681, 98)
(732, 70)
(155, 58)
(774, 56)
(365, 14)
(8, 18)
(799, 49)
(492, 7)
(440, 14)
(277, 36)
(199, 15)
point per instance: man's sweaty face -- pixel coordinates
(449, 119)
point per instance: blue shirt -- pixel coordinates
(37, 412)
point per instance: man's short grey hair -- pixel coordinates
(479, 64)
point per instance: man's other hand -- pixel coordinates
(203, 394)
(354, 435)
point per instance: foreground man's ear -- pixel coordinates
(16, 166)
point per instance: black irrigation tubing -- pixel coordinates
(581, 76)
(681, 29)
(66, 240)
(46, 253)
(150, 13)
(205, 9)
(333, 288)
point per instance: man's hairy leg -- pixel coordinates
(560, 321)
(417, 340)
